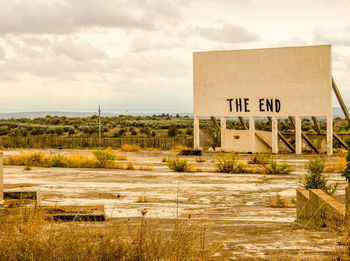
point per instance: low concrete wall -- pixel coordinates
(315, 207)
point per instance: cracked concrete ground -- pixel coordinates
(235, 205)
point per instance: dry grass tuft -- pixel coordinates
(142, 199)
(336, 167)
(130, 148)
(200, 159)
(179, 148)
(147, 167)
(279, 202)
(100, 159)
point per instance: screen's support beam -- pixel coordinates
(340, 100)
(216, 124)
(335, 136)
(252, 133)
(274, 128)
(196, 132)
(285, 141)
(329, 135)
(317, 126)
(244, 124)
(340, 140)
(297, 128)
(217, 141)
(304, 136)
(222, 130)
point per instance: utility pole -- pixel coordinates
(99, 124)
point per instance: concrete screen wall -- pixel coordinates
(275, 82)
(293, 81)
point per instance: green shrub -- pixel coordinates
(59, 130)
(172, 131)
(275, 168)
(315, 178)
(179, 165)
(189, 131)
(229, 163)
(4, 130)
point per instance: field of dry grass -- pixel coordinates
(28, 236)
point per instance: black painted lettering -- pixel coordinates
(238, 105)
(230, 103)
(269, 104)
(261, 104)
(246, 100)
(277, 105)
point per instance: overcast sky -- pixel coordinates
(71, 55)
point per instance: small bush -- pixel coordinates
(131, 148)
(315, 178)
(179, 165)
(275, 168)
(229, 163)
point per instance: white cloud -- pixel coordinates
(145, 43)
(78, 51)
(2, 53)
(64, 16)
(228, 33)
(330, 36)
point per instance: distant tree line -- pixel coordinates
(163, 125)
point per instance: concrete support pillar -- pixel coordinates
(196, 132)
(274, 127)
(297, 131)
(252, 134)
(222, 129)
(1, 177)
(329, 135)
